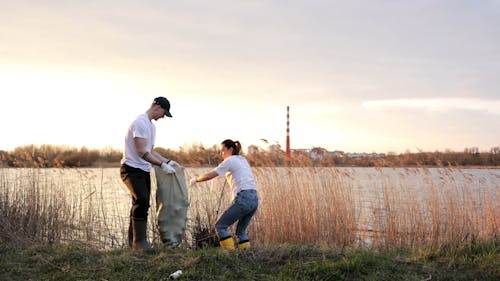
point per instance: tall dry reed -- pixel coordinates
(433, 207)
(376, 207)
(304, 205)
(57, 206)
(341, 207)
(29, 213)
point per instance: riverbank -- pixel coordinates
(477, 261)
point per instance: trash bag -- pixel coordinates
(172, 202)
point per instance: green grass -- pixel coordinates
(477, 261)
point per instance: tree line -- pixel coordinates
(197, 155)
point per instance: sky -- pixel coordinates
(359, 76)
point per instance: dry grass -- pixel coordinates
(374, 207)
(304, 205)
(340, 207)
(58, 205)
(433, 207)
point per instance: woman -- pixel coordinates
(240, 177)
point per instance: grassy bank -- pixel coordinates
(477, 261)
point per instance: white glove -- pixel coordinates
(192, 181)
(167, 168)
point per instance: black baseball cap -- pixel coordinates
(165, 104)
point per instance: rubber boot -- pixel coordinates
(130, 232)
(227, 243)
(245, 244)
(140, 241)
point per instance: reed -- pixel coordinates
(372, 207)
(304, 205)
(207, 202)
(58, 206)
(380, 208)
(435, 207)
(29, 213)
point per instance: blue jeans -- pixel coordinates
(242, 210)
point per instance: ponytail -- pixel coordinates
(235, 145)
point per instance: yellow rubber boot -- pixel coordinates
(244, 245)
(227, 243)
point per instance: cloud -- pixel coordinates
(436, 104)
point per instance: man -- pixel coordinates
(136, 164)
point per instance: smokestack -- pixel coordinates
(288, 131)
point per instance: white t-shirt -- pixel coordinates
(142, 127)
(238, 173)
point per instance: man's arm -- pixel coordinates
(159, 156)
(152, 157)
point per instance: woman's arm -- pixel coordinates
(207, 176)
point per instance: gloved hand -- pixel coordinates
(192, 181)
(167, 168)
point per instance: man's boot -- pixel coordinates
(130, 232)
(140, 241)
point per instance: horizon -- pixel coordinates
(358, 77)
(268, 148)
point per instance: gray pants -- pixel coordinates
(242, 210)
